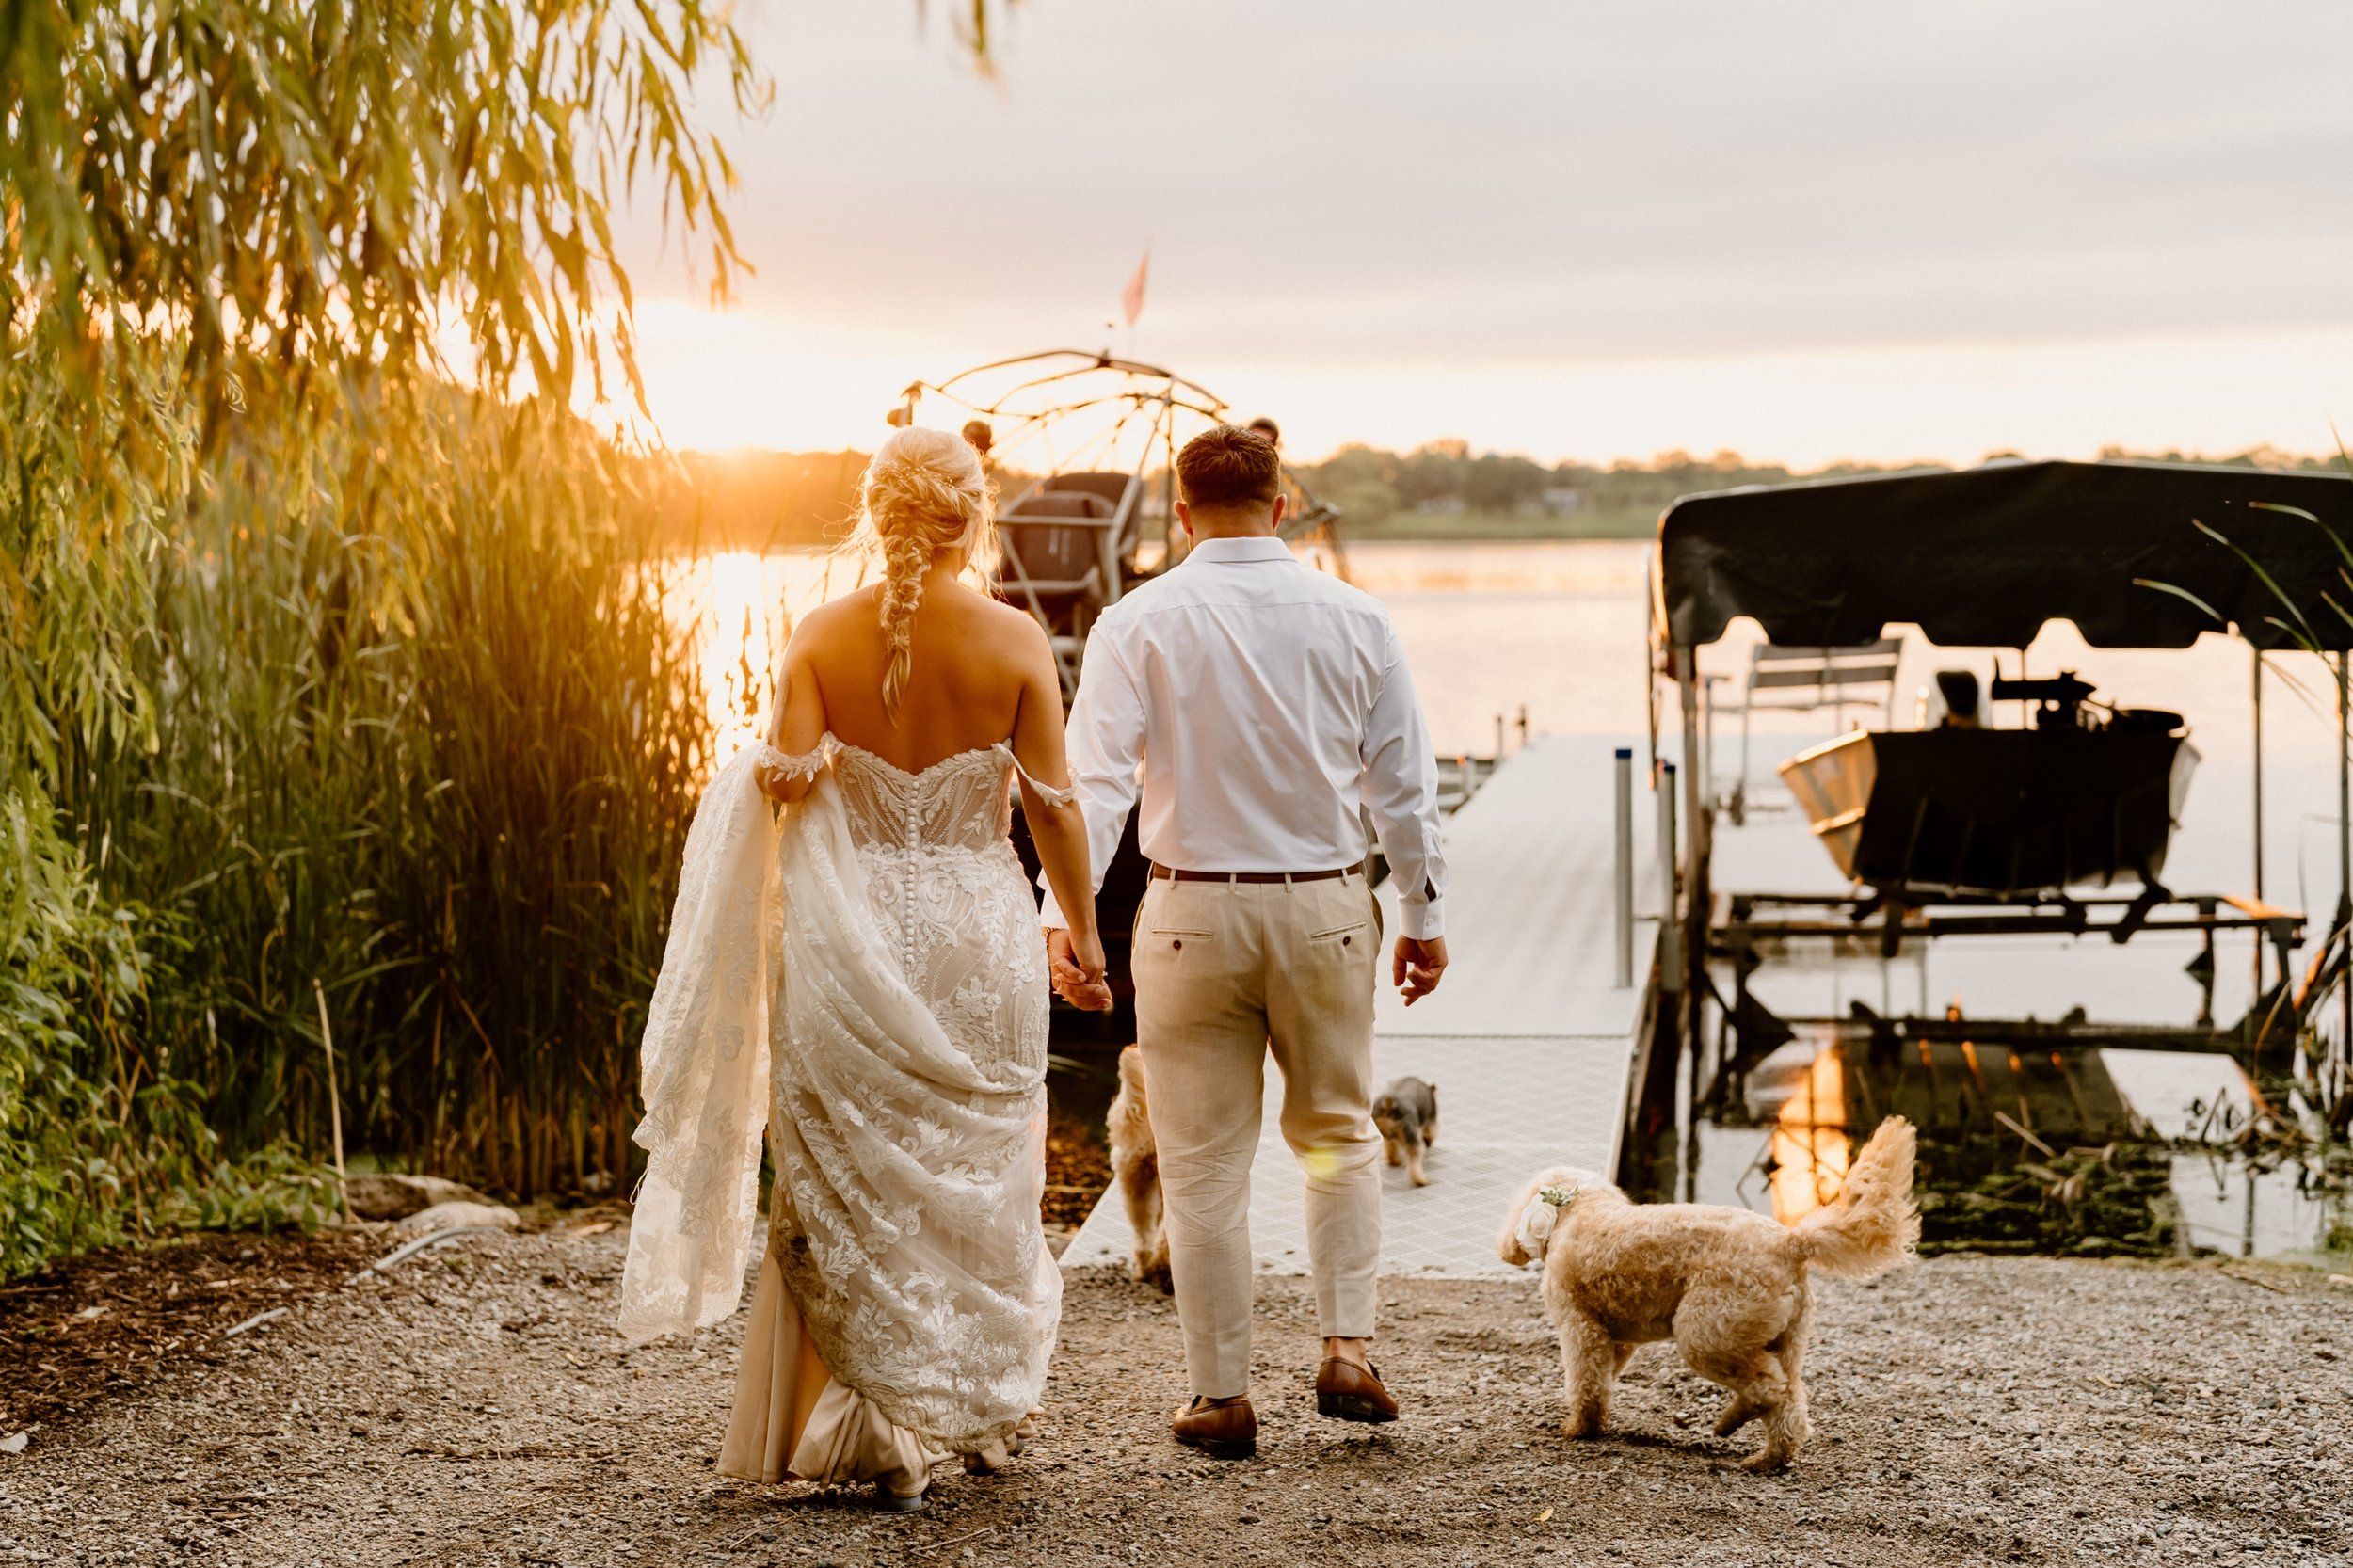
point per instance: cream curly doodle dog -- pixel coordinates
(1727, 1286)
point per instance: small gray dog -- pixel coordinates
(1407, 1116)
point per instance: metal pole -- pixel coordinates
(1707, 739)
(1625, 769)
(2345, 847)
(2259, 817)
(1696, 847)
(1670, 935)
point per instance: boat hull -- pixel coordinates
(1995, 813)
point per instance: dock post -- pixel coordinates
(1625, 766)
(1670, 930)
(2258, 738)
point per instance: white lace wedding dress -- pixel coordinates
(864, 976)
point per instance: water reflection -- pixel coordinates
(2027, 1147)
(741, 606)
(1558, 628)
(1810, 1148)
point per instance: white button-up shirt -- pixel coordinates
(1266, 709)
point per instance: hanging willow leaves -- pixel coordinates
(294, 300)
(317, 184)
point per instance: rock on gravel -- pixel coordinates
(477, 1407)
(454, 1216)
(396, 1197)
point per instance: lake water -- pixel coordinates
(1555, 631)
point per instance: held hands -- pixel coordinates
(1076, 965)
(1417, 965)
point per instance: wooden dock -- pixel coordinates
(1529, 1040)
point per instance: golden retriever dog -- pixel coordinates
(1136, 1166)
(1727, 1286)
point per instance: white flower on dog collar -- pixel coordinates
(1540, 1216)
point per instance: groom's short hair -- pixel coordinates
(1224, 466)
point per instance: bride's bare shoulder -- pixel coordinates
(823, 622)
(1011, 620)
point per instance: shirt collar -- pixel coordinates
(1239, 550)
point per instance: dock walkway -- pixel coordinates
(1529, 1041)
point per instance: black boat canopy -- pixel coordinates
(1982, 557)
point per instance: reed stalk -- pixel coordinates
(439, 765)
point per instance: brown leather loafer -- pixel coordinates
(1346, 1392)
(1223, 1429)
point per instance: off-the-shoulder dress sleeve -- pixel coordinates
(1046, 792)
(785, 764)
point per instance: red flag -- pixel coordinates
(1131, 300)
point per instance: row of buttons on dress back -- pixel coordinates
(906, 905)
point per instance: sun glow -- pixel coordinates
(742, 605)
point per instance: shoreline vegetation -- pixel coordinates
(346, 745)
(1441, 493)
(346, 748)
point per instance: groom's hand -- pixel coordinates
(1077, 976)
(1417, 965)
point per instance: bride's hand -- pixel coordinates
(1077, 966)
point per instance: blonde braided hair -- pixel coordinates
(923, 494)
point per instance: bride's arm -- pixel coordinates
(1057, 825)
(798, 726)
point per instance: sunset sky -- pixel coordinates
(1569, 229)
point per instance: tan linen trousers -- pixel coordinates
(1224, 972)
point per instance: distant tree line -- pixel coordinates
(1445, 489)
(771, 500)
(765, 500)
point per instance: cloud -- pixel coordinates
(1333, 188)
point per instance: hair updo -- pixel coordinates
(924, 493)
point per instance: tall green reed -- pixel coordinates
(425, 735)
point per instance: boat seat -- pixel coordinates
(1041, 504)
(1048, 550)
(1111, 488)
(1060, 537)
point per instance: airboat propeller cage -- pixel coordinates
(1095, 438)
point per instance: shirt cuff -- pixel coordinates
(1049, 915)
(1421, 920)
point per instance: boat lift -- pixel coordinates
(1968, 831)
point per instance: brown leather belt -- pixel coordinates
(1255, 879)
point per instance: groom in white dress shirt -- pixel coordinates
(1265, 710)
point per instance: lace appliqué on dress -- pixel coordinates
(905, 1025)
(909, 1036)
(785, 764)
(704, 1069)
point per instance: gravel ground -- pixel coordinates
(476, 1408)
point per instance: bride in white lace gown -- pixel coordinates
(870, 965)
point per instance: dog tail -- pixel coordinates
(1874, 1225)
